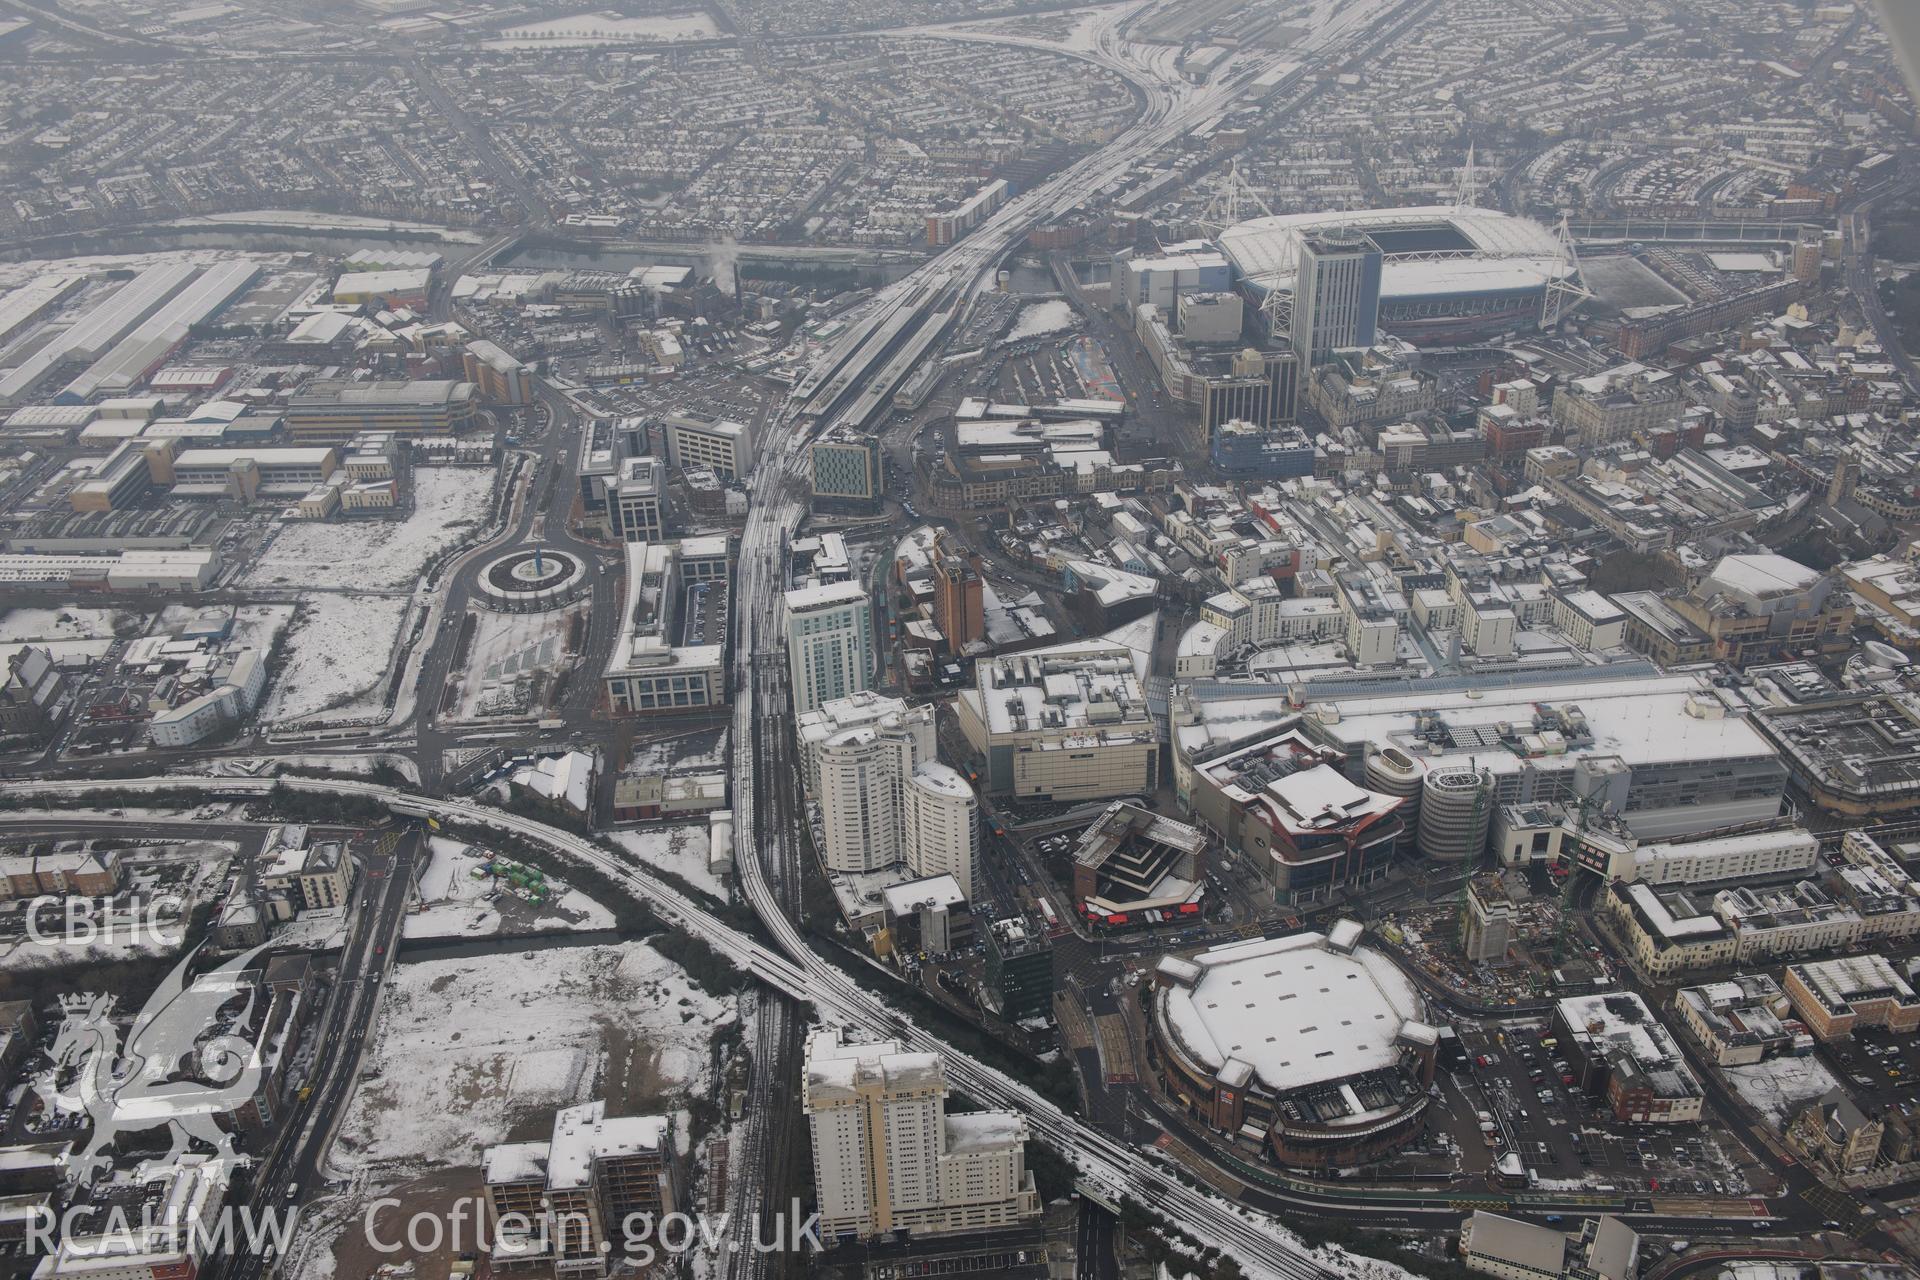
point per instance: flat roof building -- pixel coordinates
(568, 1203)
(1858, 756)
(1781, 921)
(1064, 723)
(1666, 931)
(846, 472)
(1019, 968)
(1739, 1020)
(401, 287)
(887, 1156)
(725, 447)
(124, 476)
(1835, 996)
(1622, 1053)
(335, 411)
(669, 654)
(246, 475)
(1281, 798)
(830, 642)
(1661, 751)
(501, 378)
(192, 569)
(1604, 1248)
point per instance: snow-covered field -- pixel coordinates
(679, 849)
(378, 554)
(69, 622)
(454, 904)
(1779, 1087)
(469, 1051)
(337, 657)
(507, 651)
(1042, 317)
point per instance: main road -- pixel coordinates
(1109, 1167)
(766, 808)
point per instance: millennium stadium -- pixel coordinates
(1448, 273)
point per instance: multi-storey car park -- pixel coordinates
(667, 656)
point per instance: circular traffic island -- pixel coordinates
(531, 580)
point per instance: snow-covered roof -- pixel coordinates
(1762, 576)
(1644, 721)
(1295, 1010)
(1660, 916)
(1321, 799)
(321, 327)
(1619, 1022)
(985, 1130)
(835, 1072)
(583, 1135)
(565, 778)
(829, 595)
(1083, 686)
(943, 779)
(1507, 253)
(516, 1162)
(941, 890)
(1789, 839)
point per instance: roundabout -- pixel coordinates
(531, 580)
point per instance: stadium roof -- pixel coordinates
(1497, 252)
(1294, 1010)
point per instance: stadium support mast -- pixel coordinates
(1235, 201)
(1469, 186)
(1276, 308)
(1225, 208)
(1565, 292)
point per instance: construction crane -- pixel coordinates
(1581, 803)
(1482, 784)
